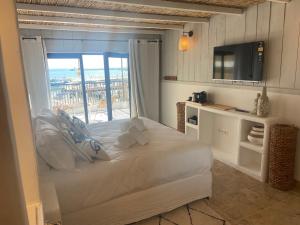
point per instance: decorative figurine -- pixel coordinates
(263, 104)
(254, 111)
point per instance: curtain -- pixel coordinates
(144, 78)
(34, 59)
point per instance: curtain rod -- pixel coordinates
(85, 39)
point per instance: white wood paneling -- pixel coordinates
(274, 52)
(250, 26)
(204, 53)
(198, 51)
(290, 44)
(212, 39)
(220, 24)
(297, 79)
(278, 25)
(235, 29)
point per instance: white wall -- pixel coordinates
(276, 24)
(17, 103)
(286, 106)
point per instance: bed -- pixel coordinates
(139, 182)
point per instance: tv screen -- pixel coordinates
(239, 62)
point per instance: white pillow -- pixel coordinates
(138, 136)
(48, 116)
(52, 147)
(134, 122)
(125, 140)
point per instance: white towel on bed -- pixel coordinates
(138, 136)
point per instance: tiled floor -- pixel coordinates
(242, 200)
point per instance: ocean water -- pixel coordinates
(90, 74)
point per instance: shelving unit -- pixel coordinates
(226, 132)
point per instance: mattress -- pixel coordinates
(169, 156)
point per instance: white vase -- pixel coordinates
(263, 104)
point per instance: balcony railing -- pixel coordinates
(69, 96)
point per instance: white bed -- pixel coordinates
(171, 170)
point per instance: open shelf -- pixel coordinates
(250, 161)
(192, 125)
(251, 146)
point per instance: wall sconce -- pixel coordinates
(184, 42)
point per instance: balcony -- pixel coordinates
(68, 95)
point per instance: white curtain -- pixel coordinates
(34, 59)
(144, 78)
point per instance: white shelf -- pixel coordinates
(226, 132)
(251, 146)
(192, 125)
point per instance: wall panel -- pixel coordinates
(290, 45)
(250, 24)
(274, 51)
(275, 23)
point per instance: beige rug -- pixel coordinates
(195, 213)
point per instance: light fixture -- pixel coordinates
(184, 42)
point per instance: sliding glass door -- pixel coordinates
(93, 87)
(119, 86)
(66, 90)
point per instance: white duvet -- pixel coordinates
(168, 156)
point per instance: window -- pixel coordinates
(92, 87)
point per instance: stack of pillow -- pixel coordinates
(132, 133)
(61, 140)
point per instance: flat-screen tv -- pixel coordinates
(239, 62)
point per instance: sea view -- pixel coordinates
(60, 75)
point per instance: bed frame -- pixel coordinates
(144, 204)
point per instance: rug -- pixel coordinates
(195, 213)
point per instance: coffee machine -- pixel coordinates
(200, 97)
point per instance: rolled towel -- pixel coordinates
(138, 136)
(125, 140)
(134, 122)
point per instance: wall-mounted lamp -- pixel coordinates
(184, 42)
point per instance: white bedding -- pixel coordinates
(168, 156)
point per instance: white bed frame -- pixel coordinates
(144, 204)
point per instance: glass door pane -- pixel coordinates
(95, 87)
(65, 86)
(119, 87)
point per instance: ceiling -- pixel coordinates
(118, 15)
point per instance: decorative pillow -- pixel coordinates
(64, 118)
(134, 122)
(80, 126)
(85, 147)
(52, 147)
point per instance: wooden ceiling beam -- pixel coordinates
(109, 13)
(108, 23)
(193, 7)
(89, 29)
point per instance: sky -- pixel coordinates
(89, 62)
